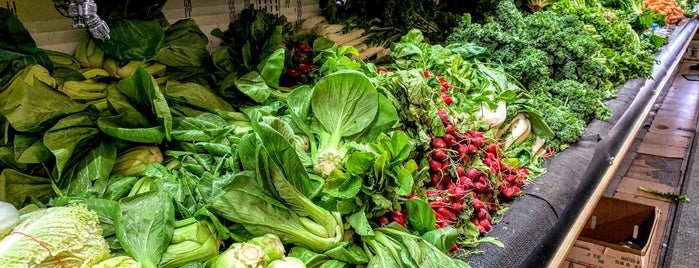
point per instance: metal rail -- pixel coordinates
(609, 153)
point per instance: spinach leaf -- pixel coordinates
(95, 165)
(69, 140)
(360, 223)
(133, 40)
(142, 92)
(144, 225)
(31, 103)
(17, 48)
(17, 187)
(195, 95)
(420, 215)
(184, 45)
(254, 86)
(30, 149)
(271, 67)
(442, 238)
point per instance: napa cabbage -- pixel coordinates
(68, 236)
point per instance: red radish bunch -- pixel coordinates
(443, 89)
(301, 63)
(468, 175)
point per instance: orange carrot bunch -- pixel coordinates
(669, 8)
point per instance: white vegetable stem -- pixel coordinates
(494, 118)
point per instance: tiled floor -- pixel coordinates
(660, 157)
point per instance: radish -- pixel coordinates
(482, 214)
(438, 204)
(478, 142)
(472, 173)
(383, 221)
(450, 129)
(511, 178)
(427, 74)
(472, 149)
(462, 150)
(480, 187)
(432, 193)
(447, 99)
(443, 116)
(398, 217)
(478, 204)
(435, 178)
(439, 143)
(449, 140)
(456, 207)
(446, 213)
(435, 166)
(492, 148)
(439, 155)
(485, 224)
(460, 171)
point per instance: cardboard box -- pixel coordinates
(617, 234)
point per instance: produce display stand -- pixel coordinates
(540, 226)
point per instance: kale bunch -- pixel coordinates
(558, 58)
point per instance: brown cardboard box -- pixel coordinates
(607, 239)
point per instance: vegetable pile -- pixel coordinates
(283, 148)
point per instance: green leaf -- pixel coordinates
(134, 40)
(112, 126)
(360, 163)
(404, 180)
(144, 226)
(341, 185)
(345, 103)
(285, 157)
(16, 187)
(30, 149)
(144, 95)
(420, 215)
(360, 223)
(70, 139)
(95, 165)
(31, 105)
(347, 252)
(271, 68)
(17, 47)
(184, 45)
(442, 238)
(195, 95)
(539, 125)
(254, 86)
(310, 258)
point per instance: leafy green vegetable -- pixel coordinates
(184, 45)
(133, 40)
(72, 234)
(142, 91)
(421, 216)
(145, 225)
(16, 187)
(17, 48)
(345, 103)
(31, 103)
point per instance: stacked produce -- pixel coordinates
(672, 12)
(279, 148)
